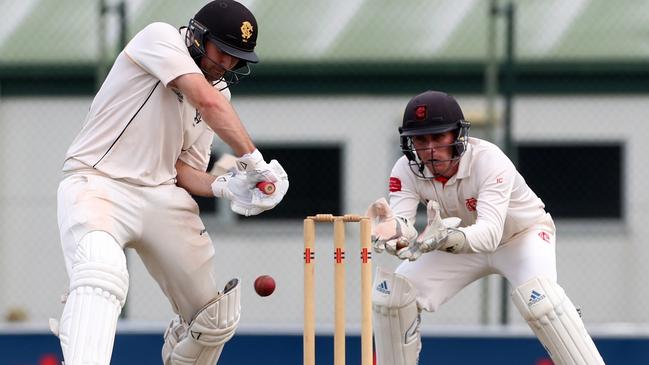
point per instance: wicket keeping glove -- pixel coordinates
(439, 234)
(388, 232)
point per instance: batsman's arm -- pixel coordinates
(196, 182)
(216, 111)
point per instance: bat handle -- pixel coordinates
(266, 187)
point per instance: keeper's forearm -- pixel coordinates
(196, 182)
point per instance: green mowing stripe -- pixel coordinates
(362, 78)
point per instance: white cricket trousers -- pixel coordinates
(161, 223)
(439, 275)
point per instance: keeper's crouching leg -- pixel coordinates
(201, 341)
(555, 321)
(396, 320)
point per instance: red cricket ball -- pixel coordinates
(265, 285)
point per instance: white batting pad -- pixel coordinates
(98, 287)
(556, 322)
(207, 333)
(176, 331)
(396, 320)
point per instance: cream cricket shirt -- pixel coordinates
(487, 193)
(137, 127)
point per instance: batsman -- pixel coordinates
(143, 149)
(482, 219)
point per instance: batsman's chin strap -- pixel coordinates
(197, 51)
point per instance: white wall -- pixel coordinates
(601, 265)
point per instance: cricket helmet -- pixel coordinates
(232, 28)
(432, 112)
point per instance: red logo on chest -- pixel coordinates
(395, 184)
(471, 204)
(545, 236)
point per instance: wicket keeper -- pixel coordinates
(482, 219)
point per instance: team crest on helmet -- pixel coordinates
(420, 112)
(246, 31)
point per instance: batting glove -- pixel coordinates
(256, 168)
(247, 199)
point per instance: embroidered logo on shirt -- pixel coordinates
(179, 96)
(545, 236)
(197, 118)
(471, 204)
(395, 184)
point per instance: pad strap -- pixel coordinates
(176, 330)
